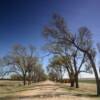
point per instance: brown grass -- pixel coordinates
(47, 90)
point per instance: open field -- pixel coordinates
(88, 81)
(13, 90)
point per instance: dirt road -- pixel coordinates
(48, 91)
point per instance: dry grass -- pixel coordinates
(48, 90)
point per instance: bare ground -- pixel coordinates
(54, 91)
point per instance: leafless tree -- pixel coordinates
(59, 33)
(21, 59)
(56, 68)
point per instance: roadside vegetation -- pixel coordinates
(88, 81)
(13, 90)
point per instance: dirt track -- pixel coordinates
(48, 91)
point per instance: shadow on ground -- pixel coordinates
(53, 87)
(48, 95)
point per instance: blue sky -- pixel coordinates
(22, 21)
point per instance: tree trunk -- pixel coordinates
(29, 78)
(71, 76)
(93, 66)
(24, 79)
(72, 80)
(96, 74)
(72, 83)
(76, 81)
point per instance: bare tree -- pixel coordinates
(21, 59)
(78, 60)
(56, 67)
(82, 41)
(38, 73)
(57, 46)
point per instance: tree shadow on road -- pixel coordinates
(47, 95)
(51, 94)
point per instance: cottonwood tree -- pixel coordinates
(57, 47)
(31, 64)
(58, 65)
(22, 61)
(80, 64)
(59, 33)
(83, 42)
(60, 50)
(56, 68)
(39, 74)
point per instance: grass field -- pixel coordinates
(14, 90)
(88, 81)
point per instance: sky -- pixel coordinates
(22, 21)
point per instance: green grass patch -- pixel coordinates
(87, 81)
